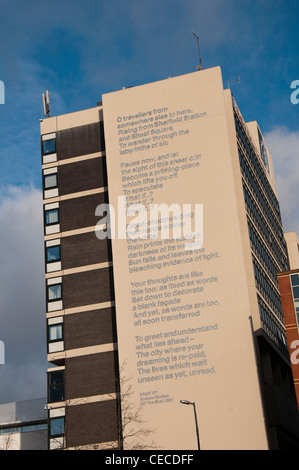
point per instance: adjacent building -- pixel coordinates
(24, 425)
(289, 292)
(158, 319)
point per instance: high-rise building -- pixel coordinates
(164, 320)
(82, 342)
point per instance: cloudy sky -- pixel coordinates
(80, 49)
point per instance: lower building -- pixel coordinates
(24, 425)
(289, 293)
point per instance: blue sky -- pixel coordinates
(80, 50)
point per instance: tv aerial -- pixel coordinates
(231, 81)
(198, 67)
(46, 103)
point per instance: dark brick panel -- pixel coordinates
(84, 249)
(81, 140)
(88, 288)
(89, 328)
(90, 375)
(91, 423)
(82, 176)
(80, 212)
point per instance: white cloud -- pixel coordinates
(284, 146)
(22, 304)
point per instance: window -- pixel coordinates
(53, 254)
(55, 332)
(49, 146)
(52, 217)
(50, 181)
(54, 292)
(25, 428)
(56, 427)
(55, 339)
(56, 386)
(296, 292)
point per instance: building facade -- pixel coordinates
(289, 292)
(79, 286)
(203, 319)
(292, 242)
(24, 425)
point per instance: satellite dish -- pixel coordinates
(46, 103)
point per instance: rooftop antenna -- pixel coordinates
(46, 103)
(231, 81)
(198, 67)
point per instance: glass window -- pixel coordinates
(8, 430)
(55, 332)
(56, 427)
(52, 217)
(53, 253)
(54, 292)
(29, 428)
(50, 181)
(295, 279)
(56, 386)
(296, 292)
(49, 146)
(26, 428)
